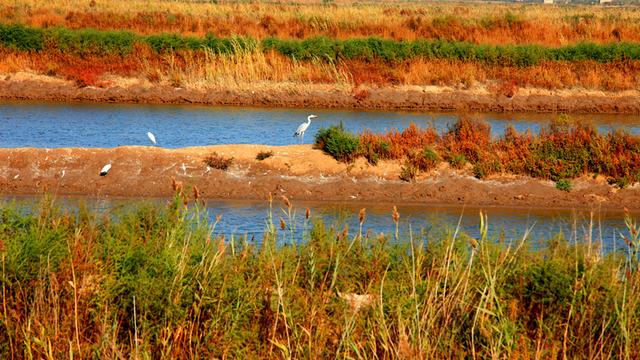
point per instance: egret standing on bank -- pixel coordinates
(303, 127)
(151, 137)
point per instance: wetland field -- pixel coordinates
(466, 183)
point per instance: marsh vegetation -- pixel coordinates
(160, 281)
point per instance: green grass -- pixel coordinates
(89, 41)
(158, 281)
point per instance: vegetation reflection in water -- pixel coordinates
(155, 281)
(242, 218)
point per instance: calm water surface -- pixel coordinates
(51, 125)
(249, 218)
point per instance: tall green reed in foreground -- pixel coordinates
(155, 281)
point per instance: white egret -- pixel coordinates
(151, 137)
(105, 169)
(303, 127)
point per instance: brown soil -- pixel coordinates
(22, 86)
(299, 172)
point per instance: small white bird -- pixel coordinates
(105, 170)
(303, 127)
(151, 137)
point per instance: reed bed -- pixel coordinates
(160, 282)
(246, 66)
(496, 47)
(472, 22)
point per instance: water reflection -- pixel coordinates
(250, 219)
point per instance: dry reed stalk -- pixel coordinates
(270, 71)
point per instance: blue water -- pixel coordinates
(250, 218)
(425, 222)
(50, 125)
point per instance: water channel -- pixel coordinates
(52, 125)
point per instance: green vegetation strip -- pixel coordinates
(153, 280)
(89, 41)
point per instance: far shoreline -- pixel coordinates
(31, 87)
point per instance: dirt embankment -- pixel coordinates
(299, 172)
(25, 86)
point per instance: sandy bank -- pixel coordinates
(25, 86)
(299, 172)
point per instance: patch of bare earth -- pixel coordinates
(27, 86)
(299, 172)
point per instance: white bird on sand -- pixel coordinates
(303, 127)
(151, 137)
(105, 169)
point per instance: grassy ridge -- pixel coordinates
(154, 281)
(88, 41)
(563, 150)
(477, 23)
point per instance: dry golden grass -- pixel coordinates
(478, 23)
(255, 69)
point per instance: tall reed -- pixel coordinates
(160, 281)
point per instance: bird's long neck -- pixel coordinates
(309, 120)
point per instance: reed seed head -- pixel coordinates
(362, 215)
(473, 242)
(307, 214)
(395, 215)
(176, 185)
(286, 201)
(283, 225)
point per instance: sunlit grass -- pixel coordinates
(474, 22)
(155, 281)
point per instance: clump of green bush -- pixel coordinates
(564, 185)
(337, 142)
